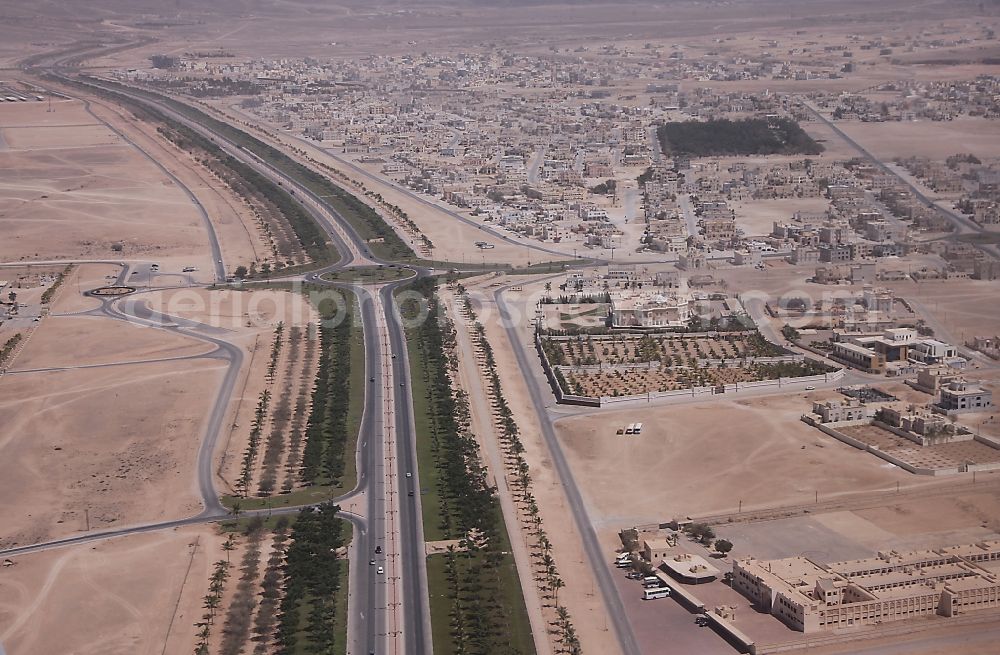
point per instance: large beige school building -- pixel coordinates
(890, 587)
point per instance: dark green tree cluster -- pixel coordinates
(326, 429)
(605, 188)
(481, 613)
(791, 369)
(313, 574)
(749, 136)
(467, 500)
(250, 454)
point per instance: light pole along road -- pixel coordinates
(374, 623)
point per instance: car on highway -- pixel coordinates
(810, 388)
(410, 493)
(371, 562)
(378, 550)
(409, 475)
(380, 570)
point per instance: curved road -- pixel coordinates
(368, 605)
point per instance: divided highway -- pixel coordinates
(368, 615)
(369, 629)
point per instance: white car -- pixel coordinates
(810, 388)
(380, 570)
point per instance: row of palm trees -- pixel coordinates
(211, 603)
(482, 617)
(518, 473)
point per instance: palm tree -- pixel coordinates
(211, 604)
(557, 584)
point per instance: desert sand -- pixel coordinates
(137, 595)
(118, 442)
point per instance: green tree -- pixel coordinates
(723, 546)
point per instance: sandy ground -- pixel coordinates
(934, 139)
(249, 318)
(120, 442)
(740, 444)
(238, 234)
(956, 305)
(76, 201)
(88, 341)
(756, 217)
(585, 605)
(85, 277)
(133, 595)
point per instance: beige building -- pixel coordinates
(960, 396)
(660, 310)
(810, 597)
(834, 411)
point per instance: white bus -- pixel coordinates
(659, 592)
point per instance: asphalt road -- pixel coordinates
(963, 224)
(599, 560)
(213, 239)
(416, 614)
(367, 604)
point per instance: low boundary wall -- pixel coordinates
(591, 401)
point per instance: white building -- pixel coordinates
(660, 310)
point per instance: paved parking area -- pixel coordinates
(790, 537)
(664, 627)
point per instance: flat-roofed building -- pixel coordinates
(660, 310)
(835, 411)
(892, 586)
(653, 550)
(858, 356)
(960, 396)
(689, 568)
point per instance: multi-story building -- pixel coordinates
(645, 311)
(960, 396)
(893, 586)
(835, 411)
